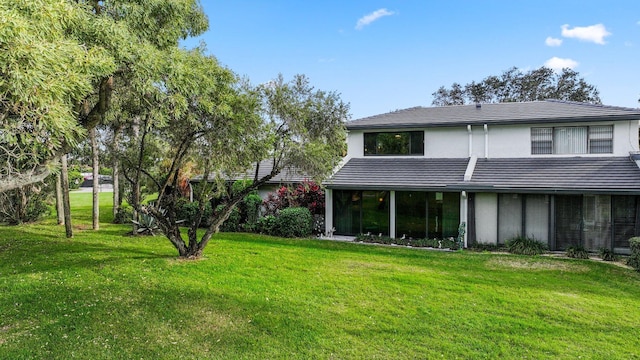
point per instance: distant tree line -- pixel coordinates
(515, 85)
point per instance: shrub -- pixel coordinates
(449, 243)
(250, 212)
(294, 222)
(308, 194)
(486, 247)
(607, 255)
(124, 215)
(232, 224)
(267, 225)
(577, 252)
(26, 204)
(525, 246)
(186, 210)
(75, 179)
(634, 259)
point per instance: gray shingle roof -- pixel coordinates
(565, 174)
(398, 173)
(286, 176)
(501, 113)
(545, 175)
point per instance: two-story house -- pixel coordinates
(564, 173)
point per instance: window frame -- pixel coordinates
(411, 151)
(543, 139)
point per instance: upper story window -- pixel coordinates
(572, 140)
(394, 143)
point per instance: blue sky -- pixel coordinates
(387, 55)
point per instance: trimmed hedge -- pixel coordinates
(634, 259)
(294, 222)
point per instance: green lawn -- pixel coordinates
(102, 295)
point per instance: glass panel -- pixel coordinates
(370, 144)
(375, 212)
(393, 144)
(601, 139)
(417, 143)
(450, 214)
(597, 221)
(624, 220)
(537, 217)
(443, 216)
(346, 211)
(509, 217)
(568, 221)
(570, 140)
(396, 143)
(411, 214)
(541, 140)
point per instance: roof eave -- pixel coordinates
(533, 121)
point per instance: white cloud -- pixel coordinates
(594, 33)
(369, 18)
(553, 41)
(558, 64)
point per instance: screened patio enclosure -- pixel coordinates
(594, 221)
(417, 214)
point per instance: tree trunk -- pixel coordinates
(65, 197)
(96, 179)
(59, 201)
(116, 169)
(116, 188)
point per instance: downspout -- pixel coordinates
(486, 141)
(464, 213)
(190, 192)
(470, 140)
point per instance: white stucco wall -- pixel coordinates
(504, 140)
(446, 142)
(355, 144)
(486, 210)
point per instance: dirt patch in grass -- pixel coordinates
(535, 264)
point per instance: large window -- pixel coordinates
(427, 214)
(394, 143)
(572, 140)
(356, 212)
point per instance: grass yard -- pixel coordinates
(102, 295)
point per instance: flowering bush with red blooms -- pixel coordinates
(308, 194)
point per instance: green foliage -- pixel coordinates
(75, 179)
(525, 246)
(124, 215)
(306, 194)
(267, 225)
(250, 212)
(608, 255)
(26, 204)
(294, 222)
(481, 247)
(577, 252)
(232, 224)
(450, 243)
(634, 259)
(147, 224)
(514, 85)
(187, 211)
